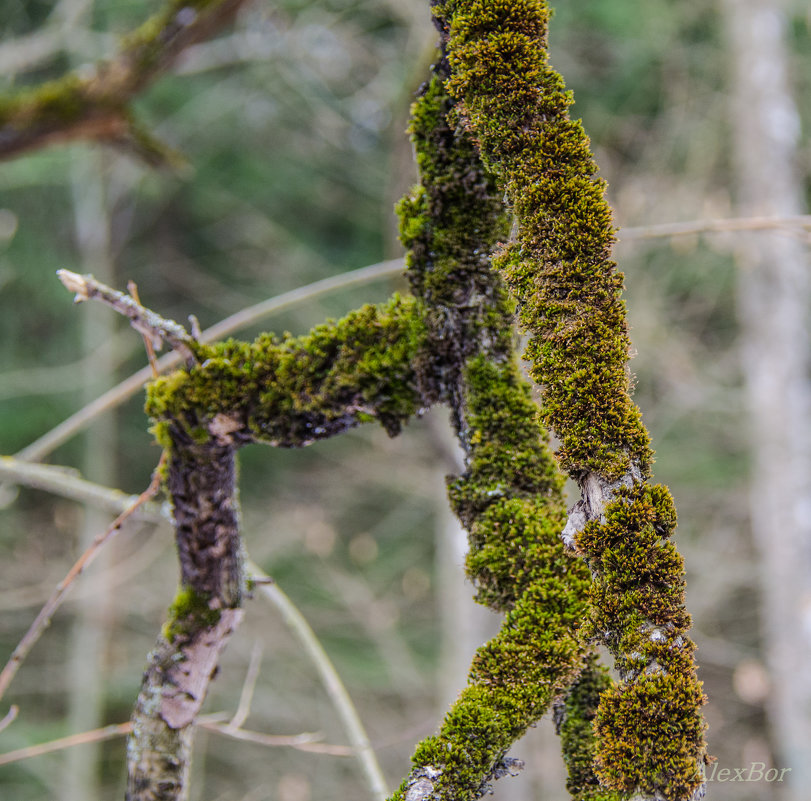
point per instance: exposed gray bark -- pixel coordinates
(202, 485)
(773, 296)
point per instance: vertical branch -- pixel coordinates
(509, 497)
(206, 610)
(559, 268)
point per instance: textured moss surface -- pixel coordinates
(559, 267)
(510, 495)
(649, 726)
(568, 290)
(575, 723)
(291, 391)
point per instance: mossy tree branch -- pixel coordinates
(510, 496)
(287, 392)
(568, 289)
(96, 105)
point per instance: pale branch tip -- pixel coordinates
(149, 324)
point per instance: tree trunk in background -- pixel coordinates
(88, 645)
(773, 295)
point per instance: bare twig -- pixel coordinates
(802, 221)
(10, 717)
(95, 736)
(248, 687)
(150, 325)
(78, 421)
(67, 483)
(304, 742)
(132, 288)
(43, 619)
(298, 625)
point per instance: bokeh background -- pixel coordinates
(292, 123)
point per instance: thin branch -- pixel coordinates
(306, 741)
(95, 736)
(802, 221)
(43, 619)
(114, 397)
(329, 677)
(303, 742)
(248, 687)
(10, 717)
(68, 484)
(155, 329)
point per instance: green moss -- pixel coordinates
(292, 391)
(510, 495)
(637, 610)
(568, 289)
(53, 103)
(634, 755)
(189, 611)
(559, 267)
(575, 725)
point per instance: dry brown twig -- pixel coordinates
(43, 619)
(132, 288)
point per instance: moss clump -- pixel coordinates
(53, 103)
(292, 391)
(189, 611)
(560, 271)
(510, 495)
(574, 720)
(559, 267)
(637, 610)
(649, 735)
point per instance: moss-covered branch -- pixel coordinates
(289, 392)
(97, 105)
(509, 497)
(568, 289)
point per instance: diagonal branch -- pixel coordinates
(96, 106)
(154, 328)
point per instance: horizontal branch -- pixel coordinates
(120, 393)
(67, 483)
(802, 221)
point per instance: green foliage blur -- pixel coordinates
(292, 124)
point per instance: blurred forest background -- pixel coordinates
(293, 123)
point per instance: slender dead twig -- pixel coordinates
(802, 221)
(132, 288)
(94, 736)
(114, 397)
(298, 625)
(10, 717)
(155, 329)
(306, 741)
(248, 687)
(45, 615)
(68, 483)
